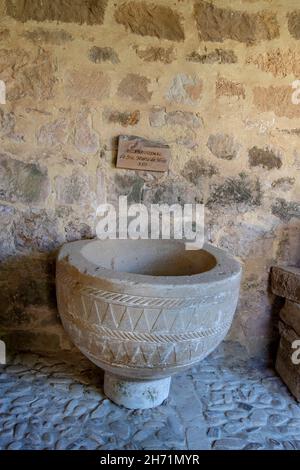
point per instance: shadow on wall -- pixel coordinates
(28, 316)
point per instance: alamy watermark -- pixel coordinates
(2, 352)
(2, 92)
(296, 354)
(296, 93)
(159, 221)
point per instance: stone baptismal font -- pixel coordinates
(143, 310)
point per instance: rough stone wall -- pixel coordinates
(212, 79)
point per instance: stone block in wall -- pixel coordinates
(77, 188)
(185, 89)
(240, 191)
(172, 191)
(28, 74)
(159, 117)
(285, 210)
(285, 282)
(290, 315)
(55, 37)
(135, 87)
(22, 182)
(294, 24)
(150, 19)
(218, 24)
(156, 54)
(2, 8)
(229, 88)
(276, 99)
(223, 146)
(103, 54)
(87, 85)
(37, 230)
(264, 157)
(90, 11)
(122, 118)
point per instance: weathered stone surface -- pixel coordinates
(156, 54)
(128, 184)
(7, 123)
(37, 229)
(103, 54)
(7, 247)
(218, 24)
(286, 210)
(278, 62)
(284, 183)
(68, 11)
(55, 37)
(237, 190)
(159, 117)
(22, 182)
(86, 139)
(77, 221)
(295, 131)
(285, 282)
(74, 189)
(294, 23)
(87, 84)
(172, 191)
(217, 56)
(4, 34)
(184, 119)
(77, 230)
(54, 133)
(290, 315)
(188, 140)
(226, 87)
(266, 158)
(185, 89)
(28, 75)
(135, 87)
(277, 99)
(296, 161)
(150, 19)
(223, 146)
(125, 118)
(197, 169)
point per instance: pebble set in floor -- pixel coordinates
(226, 402)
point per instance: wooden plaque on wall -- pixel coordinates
(135, 153)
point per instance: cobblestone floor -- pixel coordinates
(226, 402)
